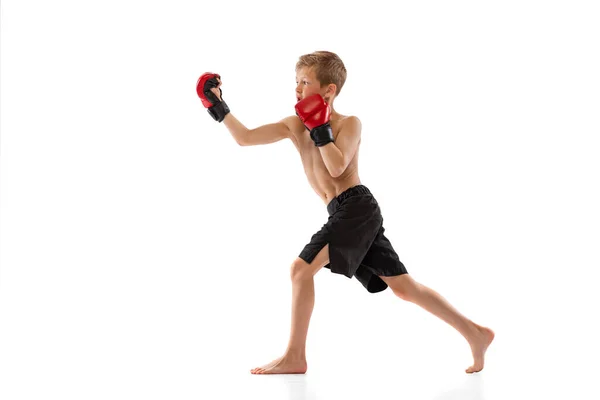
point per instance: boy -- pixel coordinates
(352, 242)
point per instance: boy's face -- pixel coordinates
(307, 84)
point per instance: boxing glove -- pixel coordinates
(216, 108)
(315, 113)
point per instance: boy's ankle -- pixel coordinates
(295, 354)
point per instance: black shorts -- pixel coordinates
(357, 245)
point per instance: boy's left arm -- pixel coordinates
(337, 155)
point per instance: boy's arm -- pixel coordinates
(338, 155)
(315, 114)
(209, 91)
(265, 134)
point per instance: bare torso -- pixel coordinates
(326, 186)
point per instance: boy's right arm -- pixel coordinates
(209, 91)
(265, 134)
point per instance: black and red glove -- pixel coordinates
(315, 113)
(216, 107)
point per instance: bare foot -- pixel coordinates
(479, 344)
(266, 366)
(282, 365)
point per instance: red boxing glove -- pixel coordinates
(315, 113)
(216, 108)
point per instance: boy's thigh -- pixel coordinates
(381, 258)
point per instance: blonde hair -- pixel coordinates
(328, 68)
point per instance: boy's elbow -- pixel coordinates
(336, 173)
(241, 140)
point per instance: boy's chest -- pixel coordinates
(303, 142)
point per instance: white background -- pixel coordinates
(145, 255)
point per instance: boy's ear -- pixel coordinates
(331, 89)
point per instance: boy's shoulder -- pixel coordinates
(293, 123)
(350, 122)
(350, 118)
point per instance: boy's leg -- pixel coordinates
(479, 337)
(303, 299)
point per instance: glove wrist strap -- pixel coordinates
(218, 111)
(322, 135)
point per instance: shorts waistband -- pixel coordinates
(353, 191)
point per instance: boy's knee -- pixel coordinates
(300, 270)
(403, 286)
(403, 292)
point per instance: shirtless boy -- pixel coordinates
(352, 242)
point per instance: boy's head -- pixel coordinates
(320, 72)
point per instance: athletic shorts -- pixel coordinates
(357, 244)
